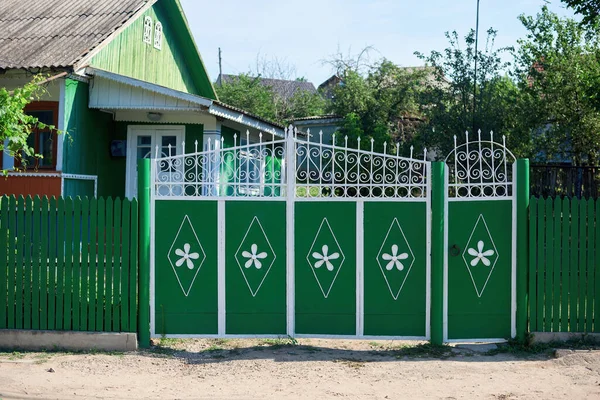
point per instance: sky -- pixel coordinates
(304, 33)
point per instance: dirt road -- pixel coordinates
(310, 369)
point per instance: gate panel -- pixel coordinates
(185, 267)
(479, 269)
(325, 268)
(255, 273)
(395, 269)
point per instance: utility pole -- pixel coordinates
(220, 69)
(475, 76)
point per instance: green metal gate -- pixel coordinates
(290, 237)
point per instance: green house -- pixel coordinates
(125, 81)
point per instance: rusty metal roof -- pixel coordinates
(58, 33)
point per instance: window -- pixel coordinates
(158, 35)
(147, 30)
(43, 141)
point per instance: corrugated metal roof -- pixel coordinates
(283, 88)
(57, 33)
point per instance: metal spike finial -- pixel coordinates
(196, 145)
(479, 135)
(384, 147)
(491, 136)
(411, 151)
(346, 141)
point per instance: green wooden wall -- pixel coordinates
(177, 65)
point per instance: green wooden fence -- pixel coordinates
(564, 265)
(68, 264)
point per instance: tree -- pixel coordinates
(589, 9)
(558, 67)
(15, 124)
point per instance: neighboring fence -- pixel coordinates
(564, 181)
(564, 276)
(68, 264)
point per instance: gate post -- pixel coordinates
(144, 184)
(438, 197)
(522, 196)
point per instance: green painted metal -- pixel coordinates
(438, 179)
(255, 289)
(177, 65)
(325, 292)
(479, 296)
(144, 253)
(522, 204)
(394, 292)
(186, 298)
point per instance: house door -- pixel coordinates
(143, 142)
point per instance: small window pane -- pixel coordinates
(46, 146)
(45, 117)
(147, 30)
(169, 140)
(144, 152)
(158, 36)
(144, 140)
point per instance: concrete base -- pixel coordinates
(66, 340)
(549, 337)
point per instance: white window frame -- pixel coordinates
(158, 35)
(147, 37)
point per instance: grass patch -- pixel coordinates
(279, 342)
(424, 350)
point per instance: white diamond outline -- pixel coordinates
(325, 221)
(395, 220)
(186, 218)
(482, 218)
(254, 293)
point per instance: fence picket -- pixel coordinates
(533, 217)
(108, 265)
(125, 267)
(20, 294)
(26, 267)
(557, 265)
(549, 265)
(35, 264)
(574, 263)
(93, 264)
(52, 262)
(117, 250)
(590, 276)
(76, 265)
(68, 265)
(565, 262)
(541, 265)
(11, 271)
(44, 264)
(597, 270)
(100, 299)
(133, 269)
(581, 285)
(4, 265)
(85, 263)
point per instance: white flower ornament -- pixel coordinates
(480, 255)
(394, 259)
(254, 257)
(186, 256)
(324, 258)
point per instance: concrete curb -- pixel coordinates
(548, 337)
(13, 339)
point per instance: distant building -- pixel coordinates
(284, 89)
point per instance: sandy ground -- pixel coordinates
(310, 369)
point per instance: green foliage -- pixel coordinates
(251, 95)
(15, 124)
(589, 9)
(558, 69)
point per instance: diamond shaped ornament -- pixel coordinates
(325, 257)
(480, 255)
(255, 256)
(395, 258)
(186, 255)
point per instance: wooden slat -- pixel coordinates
(549, 265)
(100, 266)
(125, 249)
(533, 217)
(581, 285)
(541, 264)
(36, 247)
(19, 270)
(597, 271)
(12, 226)
(4, 265)
(45, 234)
(27, 263)
(116, 323)
(52, 266)
(108, 309)
(557, 265)
(590, 275)
(573, 265)
(77, 225)
(60, 263)
(133, 268)
(565, 262)
(85, 264)
(68, 296)
(93, 266)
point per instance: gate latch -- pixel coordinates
(454, 251)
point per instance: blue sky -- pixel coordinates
(303, 33)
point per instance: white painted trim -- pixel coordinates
(216, 336)
(221, 254)
(303, 336)
(244, 119)
(354, 199)
(61, 126)
(79, 177)
(351, 337)
(152, 251)
(289, 165)
(428, 221)
(491, 341)
(513, 303)
(459, 199)
(445, 290)
(360, 268)
(217, 198)
(35, 174)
